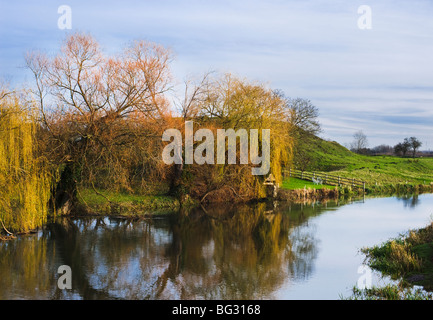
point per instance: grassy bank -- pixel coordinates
(407, 259)
(390, 292)
(329, 156)
(387, 175)
(295, 183)
(294, 189)
(297, 189)
(103, 202)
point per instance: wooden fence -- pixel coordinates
(325, 178)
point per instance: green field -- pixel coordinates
(331, 157)
(295, 183)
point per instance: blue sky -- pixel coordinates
(378, 80)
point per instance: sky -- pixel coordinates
(377, 79)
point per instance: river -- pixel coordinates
(261, 251)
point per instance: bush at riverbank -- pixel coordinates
(307, 194)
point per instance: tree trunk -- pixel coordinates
(175, 181)
(64, 197)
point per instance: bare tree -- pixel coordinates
(94, 105)
(195, 94)
(360, 142)
(84, 82)
(303, 115)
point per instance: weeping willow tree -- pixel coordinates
(229, 102)
(24, 180)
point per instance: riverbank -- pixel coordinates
(307, 194)
(293, 189)
(105, 203)
(407, 259)
(92, 202)
(382, 174)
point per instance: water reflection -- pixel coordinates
(242, 252)
(409, 201)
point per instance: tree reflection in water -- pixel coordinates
(238, 252)
(409, 201)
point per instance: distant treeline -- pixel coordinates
(386, 150)
(404, 149)
(409, 146)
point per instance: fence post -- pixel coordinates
(326, 178)
(302, 174)
(338, 180)
(290, 172)
(353, 182)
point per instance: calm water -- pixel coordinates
(248, 252)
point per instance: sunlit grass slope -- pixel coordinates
(331, 157)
